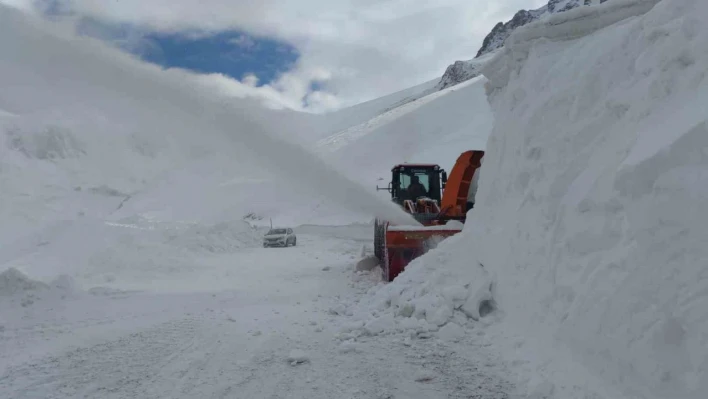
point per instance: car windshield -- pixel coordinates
(276, 231)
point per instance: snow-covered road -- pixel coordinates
(228, 330)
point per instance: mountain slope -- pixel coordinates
(434, 128)
(89, 133)
(461, 71)
(501, 31)
(360, 113)
(430, 129)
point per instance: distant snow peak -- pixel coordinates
(501, 31)
(462, 71)
(495, 39)
(457, 73)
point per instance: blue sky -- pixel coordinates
(232, 52)
(347, 52)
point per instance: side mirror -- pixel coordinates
(444, 178)
(389, 188)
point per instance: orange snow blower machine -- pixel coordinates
(435, 200)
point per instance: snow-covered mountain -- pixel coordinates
(495, 39)
(461, 71)
(501, 31)
(115, 137)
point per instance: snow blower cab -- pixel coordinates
(417, 188)
(439, 204)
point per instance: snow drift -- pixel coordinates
(13, 282)
(588, 234)
(17, 290)
(78, 116)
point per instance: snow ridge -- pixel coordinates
(567, 26)
(501, 31)
(461, 71)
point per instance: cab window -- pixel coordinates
(428, 177)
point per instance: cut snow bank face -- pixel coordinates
(592, 209)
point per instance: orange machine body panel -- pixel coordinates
(402, 246)
(454, 198)
(396, 246)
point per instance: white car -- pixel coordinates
(280, 238)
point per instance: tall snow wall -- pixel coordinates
(592, 210)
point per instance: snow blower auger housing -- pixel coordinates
(433, 199)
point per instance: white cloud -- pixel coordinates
(360, 49)
(250, 80)
(243, 41)
(25, 5)
(271, 96)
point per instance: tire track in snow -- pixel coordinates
(465, 370)
(378, 367)
(121, 368)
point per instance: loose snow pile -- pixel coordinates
(433, 291)
(220, 237)
(13, 282)
(17, 288)
(141, 253)
(588, 237)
